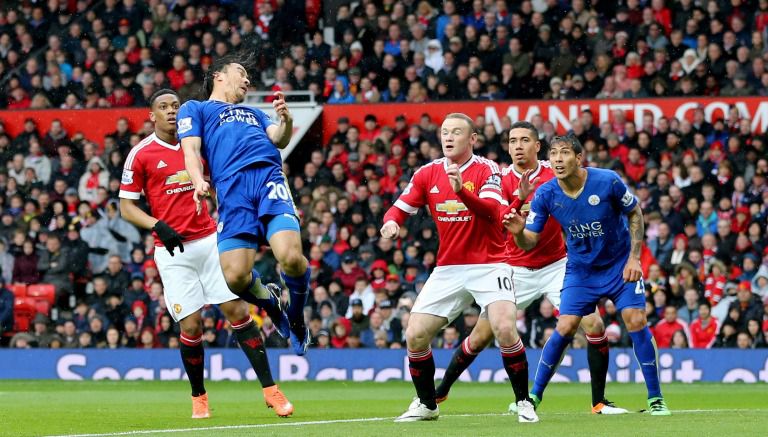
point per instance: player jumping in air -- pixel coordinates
(192, 276)
(241, 146)
(537, 273)
(604, 229)
(463, 192)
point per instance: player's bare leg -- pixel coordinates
(193, 358)
(552, 354)
(422, 328)
(249, 338)
(502, 316)
(245, 281)
(286, 246)
(646, 354)
(480, 337)
(597, 357)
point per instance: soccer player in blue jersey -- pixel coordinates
(241, 146)
(604, 230)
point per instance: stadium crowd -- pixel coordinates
(702, 185)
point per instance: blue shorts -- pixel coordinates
(254, 203)
(579, 299)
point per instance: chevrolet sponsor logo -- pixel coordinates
(181, 177)
(451, 207)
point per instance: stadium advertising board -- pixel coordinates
(687, 366)
(559, 112)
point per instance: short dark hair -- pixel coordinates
(570, 140)
(522, 124)
(161, 92)
(246, 59)
(465, 117)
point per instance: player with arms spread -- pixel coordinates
(241, 146)
(536, 273)
(470, 262)
(604, 229)
(192, 276)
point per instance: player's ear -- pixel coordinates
(151, 116)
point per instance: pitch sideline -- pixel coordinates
(366, 419)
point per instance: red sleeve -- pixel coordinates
(410, 200)
(133, 180)
(488, 208)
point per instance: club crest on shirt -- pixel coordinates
(220, 227)
(470, 186)
(177, 308)
(594, 200)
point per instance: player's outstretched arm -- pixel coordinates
(281, 135)
(194, 166)
(633, 271)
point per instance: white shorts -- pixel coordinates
(192, 279)
(451, 289)
(531, 284)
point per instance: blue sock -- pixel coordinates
(550, 359)
(645, 352)
(297, 287)
(268, 304)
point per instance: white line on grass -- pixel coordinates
(366, 419)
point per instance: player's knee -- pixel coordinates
(593, 324)
(505, 331)
(567, 326)
(236, 280)
(417, 338)
(293, 263)
(234, 310)
(635, 319)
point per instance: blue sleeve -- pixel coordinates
(264, 119)
(189, 120)
(539, 213)
(620, 196)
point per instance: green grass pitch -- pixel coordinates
(328, 409)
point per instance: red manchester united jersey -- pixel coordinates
(465, 238)
(157, 169)
(551, 247)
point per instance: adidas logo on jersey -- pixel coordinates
(162, 164)
(434, 190)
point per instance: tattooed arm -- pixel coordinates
(633, 271)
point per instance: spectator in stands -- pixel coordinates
(665, 329)
(6, 309)
(96, 176)
(54, 267)
(25, 266)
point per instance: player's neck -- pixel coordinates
(573, 185)
(167, 137)
(220, 96)
(530, 165)
(460, 161)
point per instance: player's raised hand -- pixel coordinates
(390, 229)
(281, 108)
(454, 176)
(201, 190)
(525, 188)
(633, 271)
(513, 221)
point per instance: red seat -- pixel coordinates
(23, 312)
(45, 292)
(19, 289)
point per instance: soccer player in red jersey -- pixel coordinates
(538, 273)
(192, 276)
(463, 193)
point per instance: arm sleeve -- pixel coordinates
(189, 120)
(264, 119)
(539, 213)
(133, 180)
(410, 201)
(621, 198)
(488, 207)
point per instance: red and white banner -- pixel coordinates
(559, 112)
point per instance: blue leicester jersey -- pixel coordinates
(594, 223)
(233, 136)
